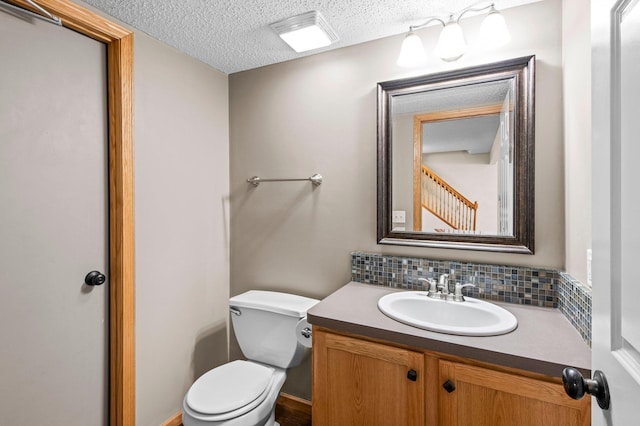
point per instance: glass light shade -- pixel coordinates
(451, 44)
(493, 30)
(307, 38)
(412, 51)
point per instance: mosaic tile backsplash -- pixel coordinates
(574, 301)
(512, 284)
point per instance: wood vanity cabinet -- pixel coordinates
(484, 396)
(361, 382)
(357, 382)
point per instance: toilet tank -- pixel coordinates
(265, 322)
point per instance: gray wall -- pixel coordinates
(181, 130)
(181, 178)
(318, 115)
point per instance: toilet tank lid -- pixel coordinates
(273, 301)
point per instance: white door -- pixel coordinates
(615, 38)
(53, 225)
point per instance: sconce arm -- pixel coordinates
(427, 22)
(474, 8)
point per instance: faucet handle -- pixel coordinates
(458, 297)
(432, 286)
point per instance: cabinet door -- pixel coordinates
(487, 397)
(356, 382)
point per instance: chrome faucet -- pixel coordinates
(444, 285)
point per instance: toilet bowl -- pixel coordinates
(245, 392)
(237, 393)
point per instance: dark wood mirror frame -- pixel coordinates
(522, 71)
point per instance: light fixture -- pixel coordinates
(304, 32)
(493, 30)
(412, 52)
(451, 43)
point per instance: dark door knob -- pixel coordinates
(576, 386)
(94, 278)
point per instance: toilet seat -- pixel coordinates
(229, 391)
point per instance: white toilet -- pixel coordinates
(267, 325)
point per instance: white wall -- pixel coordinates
(576, 64)
(318, 115)
(474, 177)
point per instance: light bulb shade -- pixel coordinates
(493, 30)
(412, 51)
(451, 44)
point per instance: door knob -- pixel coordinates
(576, 386)
(94, 278)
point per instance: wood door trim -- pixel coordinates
(119, 43)
(175, 420)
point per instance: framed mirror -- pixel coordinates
(456, 158)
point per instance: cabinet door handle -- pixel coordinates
(412, 375)
(449, 386)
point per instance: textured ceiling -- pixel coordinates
(450, 98)
(234, 35)
(475, 135)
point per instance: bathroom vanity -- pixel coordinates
(370, 369)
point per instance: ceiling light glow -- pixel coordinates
(308, 38)
(305, 32)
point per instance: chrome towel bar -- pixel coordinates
(316, 179)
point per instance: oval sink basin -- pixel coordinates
(473, 317)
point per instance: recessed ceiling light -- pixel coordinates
(304, 32)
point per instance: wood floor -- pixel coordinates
(293, 411)
(290, 411)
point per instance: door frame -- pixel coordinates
(119, 43)
(431, 117)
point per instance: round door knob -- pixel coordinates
(576, 386)
(94, 278)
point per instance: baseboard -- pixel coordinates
(174, 421)
(295, 404)
(286, 402)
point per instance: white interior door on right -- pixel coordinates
(615, 38)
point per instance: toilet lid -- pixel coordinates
(229, 387)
